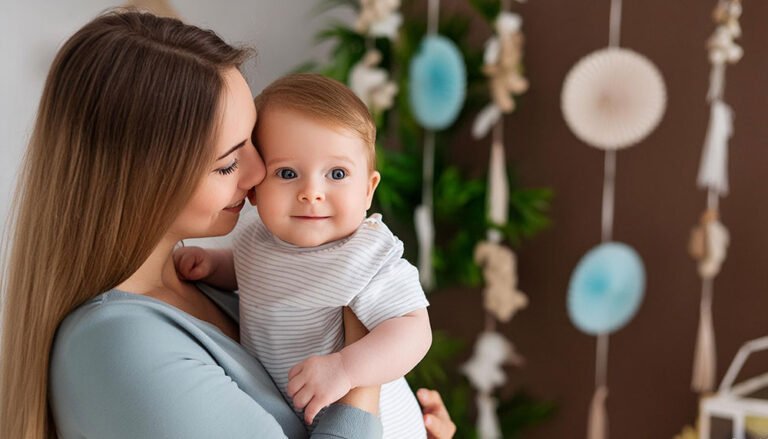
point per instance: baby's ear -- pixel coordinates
(373, 182)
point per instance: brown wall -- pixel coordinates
(657, 202)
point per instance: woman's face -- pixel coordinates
(215, 206)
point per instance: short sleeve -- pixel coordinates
(393, 292)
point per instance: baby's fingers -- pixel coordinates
(295, 370)
(312, 410)
(302, 398)
(295, 384)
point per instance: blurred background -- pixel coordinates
(555, 180)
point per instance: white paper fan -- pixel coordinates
(613, 98)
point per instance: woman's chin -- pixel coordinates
(221, 228)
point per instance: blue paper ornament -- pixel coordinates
(606, 288)
(438, 82)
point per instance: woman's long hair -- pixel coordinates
(124, 134)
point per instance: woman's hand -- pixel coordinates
(436, 418)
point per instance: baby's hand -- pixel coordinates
(193, 263)
(317, 382)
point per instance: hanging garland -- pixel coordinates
(709, 239)
(438, 82)
(370, 82)
(501, 297)
(612, 99)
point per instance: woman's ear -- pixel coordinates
(373, 182)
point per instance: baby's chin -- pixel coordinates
(315, 239)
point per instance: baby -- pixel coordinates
(311, 251)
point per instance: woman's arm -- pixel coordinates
(120, 373)
(366, 398)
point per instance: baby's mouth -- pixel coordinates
(310, 217)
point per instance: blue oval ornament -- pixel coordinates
(438, 82)
(606, 288)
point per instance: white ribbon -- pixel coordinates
(716, 81)
(426, 235)
(713, 170)
(498, 186)
(487, 421)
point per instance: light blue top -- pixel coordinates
(129, 366)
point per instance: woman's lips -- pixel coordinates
(237, 207)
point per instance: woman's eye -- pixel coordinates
(286, 173)
(338, 174)
(229, 169)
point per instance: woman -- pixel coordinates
(142, 139)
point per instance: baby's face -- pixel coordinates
(318, 185)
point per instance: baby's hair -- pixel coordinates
(323, 99)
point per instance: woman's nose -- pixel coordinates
(253, 170)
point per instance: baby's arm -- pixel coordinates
(388, 352)
(215, 267)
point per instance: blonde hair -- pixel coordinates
(123, 136)
(323, 99)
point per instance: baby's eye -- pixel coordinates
(337, 174)
(286, 173)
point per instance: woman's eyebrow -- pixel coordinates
(231, 150)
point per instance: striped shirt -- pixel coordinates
(291, 301)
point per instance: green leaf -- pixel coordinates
(522, 412)
(489, 9)
(430, 372)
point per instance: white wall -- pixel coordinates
(282, 31)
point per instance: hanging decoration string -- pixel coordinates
(424, 215)
(597, 427)
(710, 238)
(433, 17)
(501, 298)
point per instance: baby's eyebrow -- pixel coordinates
(342, 158)
(278, 160)
(231, 150)
(271, 162)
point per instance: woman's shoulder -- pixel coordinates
(137, 323)
(119, 329)
(111, 313)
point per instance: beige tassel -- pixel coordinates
(598, 418)
(704, 361)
